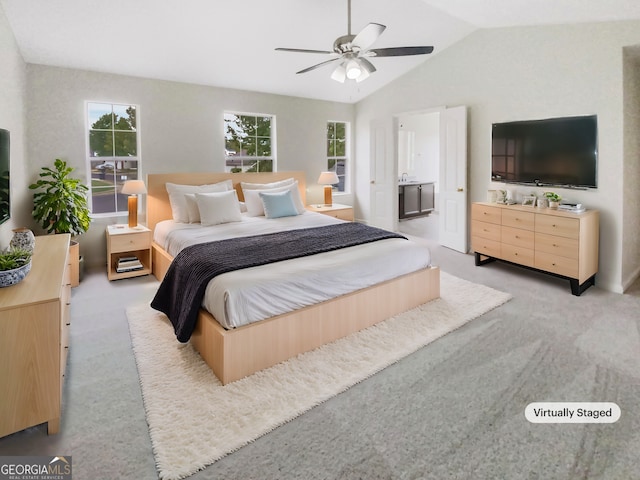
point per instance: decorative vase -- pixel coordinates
(11, 277)
(23, 238)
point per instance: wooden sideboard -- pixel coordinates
(34, 339)
(558, 242)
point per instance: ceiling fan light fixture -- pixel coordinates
(339, 74)
(353, 69)
(363, 76)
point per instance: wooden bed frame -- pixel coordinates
(234, 354)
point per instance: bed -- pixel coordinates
(233, 348)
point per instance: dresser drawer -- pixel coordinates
(556, 264)
(562, 226)
(556, 245)
(485, 213)
(519, 255)
(518, 219)
(130, 242)
(517, 237)
(485, 246)
(490, 231)
(346, 214)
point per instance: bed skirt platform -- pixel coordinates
(279, 338)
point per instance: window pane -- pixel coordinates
(248, 125)
(265, 165)
(340, 148)
(100, 144)
(263, 127)
(331, 164)
(231, 147)
(264, 147)
(125, 143)
(124, 117)
(341, 131)
(331, 148)
(100, 116)
(331, 130)
(249, 147)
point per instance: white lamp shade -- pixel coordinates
(353, 69)
(133, 187)
(328, 178)
(339, 74)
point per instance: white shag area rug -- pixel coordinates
(194, 420)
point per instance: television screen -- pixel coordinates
(5, 211)
(554, 152)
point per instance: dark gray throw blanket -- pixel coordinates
(180, 293)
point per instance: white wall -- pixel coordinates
(181, 128)
(12, 118)
(525, 73)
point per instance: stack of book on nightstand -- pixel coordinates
(128, 264)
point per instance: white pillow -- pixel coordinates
(255, 207)
(179, 209)
(218, 207)
(192, 208)
(265, 186)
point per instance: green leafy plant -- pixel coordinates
(552, 197)
(15, 258)
(61, 204)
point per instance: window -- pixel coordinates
(113, 154)
(337, 149)
(249, 142)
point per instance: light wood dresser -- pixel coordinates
(561, 243)
(34, 339)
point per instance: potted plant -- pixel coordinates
(553, 198)
(15, 264)
(60, 206)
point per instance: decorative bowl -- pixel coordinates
(11, 277)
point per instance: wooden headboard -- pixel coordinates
(159, 208)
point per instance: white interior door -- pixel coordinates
(382, 203)
(453, 179)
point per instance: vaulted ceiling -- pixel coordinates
(232, 44)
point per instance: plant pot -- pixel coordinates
(553, 205)
(11, 277)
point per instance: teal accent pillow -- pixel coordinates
(278, 205)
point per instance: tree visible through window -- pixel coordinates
(337, 152)
(249, 142)
(113, 154)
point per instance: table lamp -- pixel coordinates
(133, 188)
(327, 179)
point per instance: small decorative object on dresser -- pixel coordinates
(529, 201)
(553, 198)
(15, 264)
(23, 238)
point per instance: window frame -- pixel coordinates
(346, 157)
(113, 159)
(251, 158)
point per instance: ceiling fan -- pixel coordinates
(351, 52)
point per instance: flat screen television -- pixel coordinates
(5, 210)
(561, 152)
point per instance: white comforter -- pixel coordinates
(249, 295)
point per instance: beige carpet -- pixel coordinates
(194, 420)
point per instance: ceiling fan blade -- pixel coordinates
(367, 36)
(301, 50)
(399, 51)
(318, 65)
(366, 65)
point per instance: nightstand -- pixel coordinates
(343, 212)
(124, 244)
